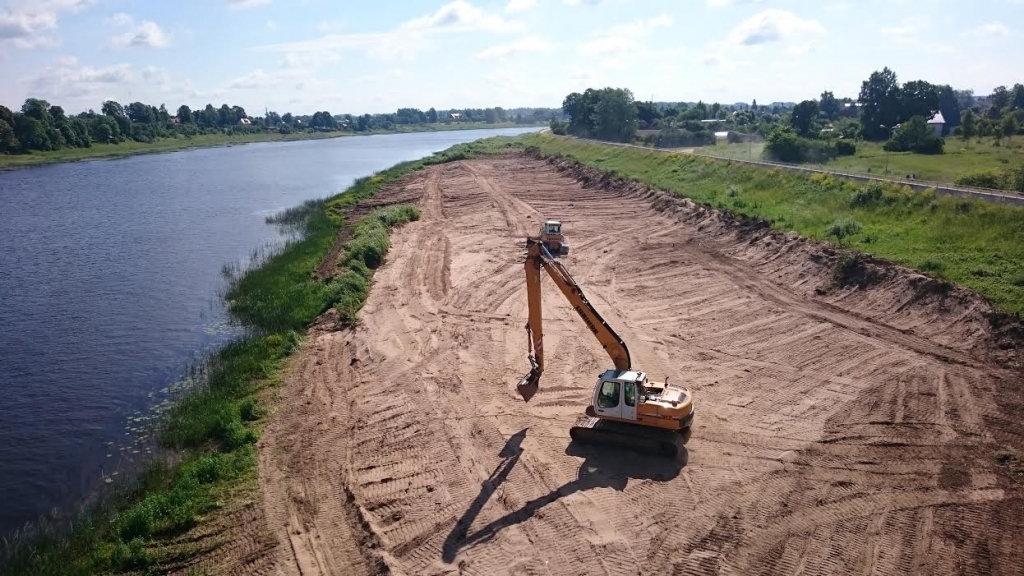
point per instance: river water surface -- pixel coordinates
(110, 274)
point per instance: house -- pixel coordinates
(244, 121)
(455, 115)
(723, 135)
(937, 123)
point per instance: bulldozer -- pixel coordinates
(552, 238)
(627, 409)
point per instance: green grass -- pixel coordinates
(959, 157)
(972, 243)
(213, 428)
(130, 148)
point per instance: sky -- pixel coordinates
(375, 56)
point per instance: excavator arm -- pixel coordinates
(538, 257)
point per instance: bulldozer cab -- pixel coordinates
(551, 227)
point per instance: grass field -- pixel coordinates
(973, 243)
(129, 148)
(870, 158)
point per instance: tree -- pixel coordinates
(111, 108)
(965, 98)
(914, 135)
(288, 119)
(1017, 100)
(880, 104)
(432, 115)
(918, 98)
(1009, 126)
(6, 115)
(8, 141)
(184, 114)
(968, 124)
(949, 105)
(57, 114)
(830, 106)
(31, 133)
(141, 113)
(210, 116)
(226, 116)
(615, 115)
(803, 117)
(37, 109)
(490, 116)
(1000, 98)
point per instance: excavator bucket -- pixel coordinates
(529, 385)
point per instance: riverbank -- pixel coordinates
(132, 148)
(185, 506)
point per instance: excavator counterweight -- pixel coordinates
(627, 409)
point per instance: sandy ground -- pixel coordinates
(855, 432)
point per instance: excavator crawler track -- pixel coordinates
(642, 439)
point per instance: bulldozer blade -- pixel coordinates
(529, 385)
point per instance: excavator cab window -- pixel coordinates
(629, 391)
(609, 397)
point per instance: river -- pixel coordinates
(110, 282)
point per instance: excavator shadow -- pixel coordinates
(602, 467)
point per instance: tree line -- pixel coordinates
(40, 126)
(809, 131)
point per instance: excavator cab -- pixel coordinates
(552, 237)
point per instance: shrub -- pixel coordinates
(842, 229)
(734, 137)
(870, 195)
(845, 148)
(981, 178)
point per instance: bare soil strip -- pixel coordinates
(854, 432)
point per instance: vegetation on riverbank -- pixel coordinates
(212, 430)
(171, 144)
(973, 243)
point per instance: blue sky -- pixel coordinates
(356, 57)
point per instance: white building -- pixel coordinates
(937, 123)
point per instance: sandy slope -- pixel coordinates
(852, 433)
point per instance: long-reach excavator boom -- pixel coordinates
(626, 408)
(539, 257)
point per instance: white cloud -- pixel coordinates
(121, 19)
(912, 34)
(21, 25)
(514, 6)
(146, 34)
(260, 79)
(773, 26)
(990, 31)
(517, 6)
(65, 78)
(243, 4)
(405, 41)
(271, 25)
(585, 2)
(460, 15)
(723, 3)
(624, 37)
(527, 44)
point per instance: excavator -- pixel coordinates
(627, 409)
(552, 238)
